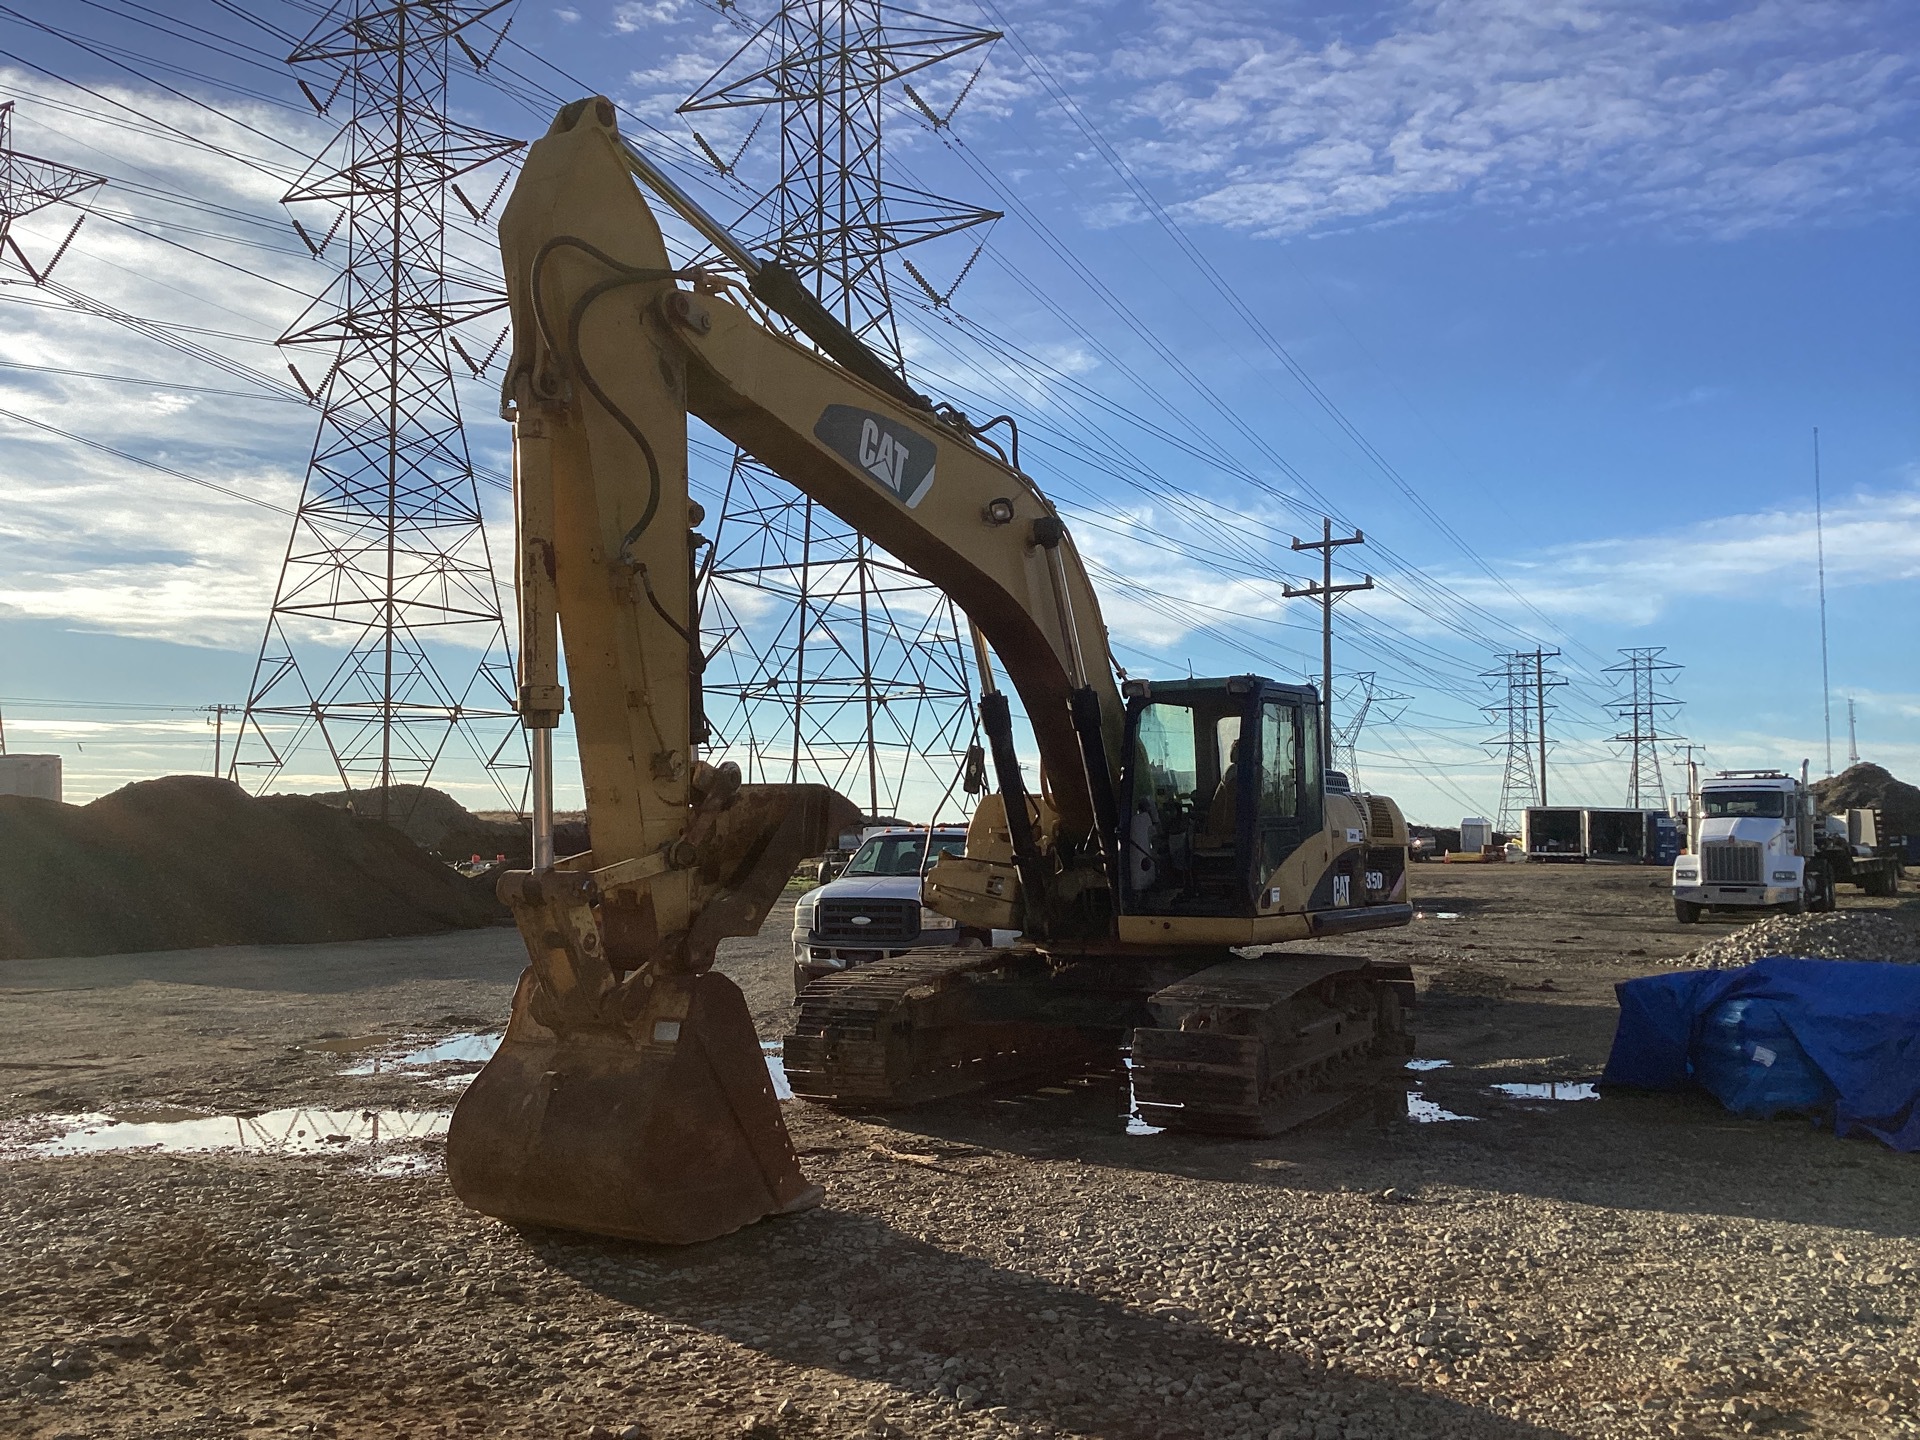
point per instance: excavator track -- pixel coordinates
(928, 1026)
(1265, 1045)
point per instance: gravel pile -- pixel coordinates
(189, 861)
(436, 822)
(1836, 935)
(1870, 787)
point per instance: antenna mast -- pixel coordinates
(1820, 549)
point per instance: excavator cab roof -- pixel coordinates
(1188, 687)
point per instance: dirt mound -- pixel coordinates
(1870, 787)
(188, 861)
(1836, 935)
(437, 822)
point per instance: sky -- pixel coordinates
(1547, 297)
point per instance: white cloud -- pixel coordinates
(1656, 112)
(637, 14)
(1871, 538)
(106, 544)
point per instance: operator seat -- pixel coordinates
(1222, 824)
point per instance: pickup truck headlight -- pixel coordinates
(803, 913)
(934, 920)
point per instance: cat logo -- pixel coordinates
(894, 457)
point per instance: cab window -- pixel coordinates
(1279, 761)
(1167, 746)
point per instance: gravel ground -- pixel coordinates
(1022, 1265)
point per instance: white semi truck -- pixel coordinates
(1756, 840)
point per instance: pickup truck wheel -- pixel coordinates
(1686, 912)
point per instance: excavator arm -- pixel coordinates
(611, 356)
(620, 1020)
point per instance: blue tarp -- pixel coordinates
(1838, 1037)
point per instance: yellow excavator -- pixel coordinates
(1178, 830)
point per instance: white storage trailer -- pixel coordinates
(1554, 833)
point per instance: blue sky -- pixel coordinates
(1582, 278)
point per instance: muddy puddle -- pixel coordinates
(293, 1131)
(394, 1057)
(1550, 1090)
(1424, 1111)
(435, 1061)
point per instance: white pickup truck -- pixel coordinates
(871, 910)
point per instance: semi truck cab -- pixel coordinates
(1749, 842)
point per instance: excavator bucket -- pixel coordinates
(636, 1101)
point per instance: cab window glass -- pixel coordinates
(1279, 767)
(1226, 743)
(1167, 746)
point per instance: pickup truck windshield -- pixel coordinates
(1766, 804)
(902, 854)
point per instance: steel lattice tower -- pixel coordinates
(1514, 717)
(831, 661)
(386, 638)
(1643, 707)
(1363, 697)
(28, 184)
(1522, 716)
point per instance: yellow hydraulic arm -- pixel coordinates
(628, 1096)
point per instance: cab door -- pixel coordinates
(1286, 810)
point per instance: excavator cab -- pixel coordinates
(1222, 783)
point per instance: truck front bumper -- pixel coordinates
(1755, 895)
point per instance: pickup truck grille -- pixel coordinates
(888, 922)
(1731, 862)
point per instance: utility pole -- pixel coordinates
(1327, 592)
(1853, 736)
(219, 713)
(1542, 682)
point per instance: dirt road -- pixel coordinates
(1023, 1265)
